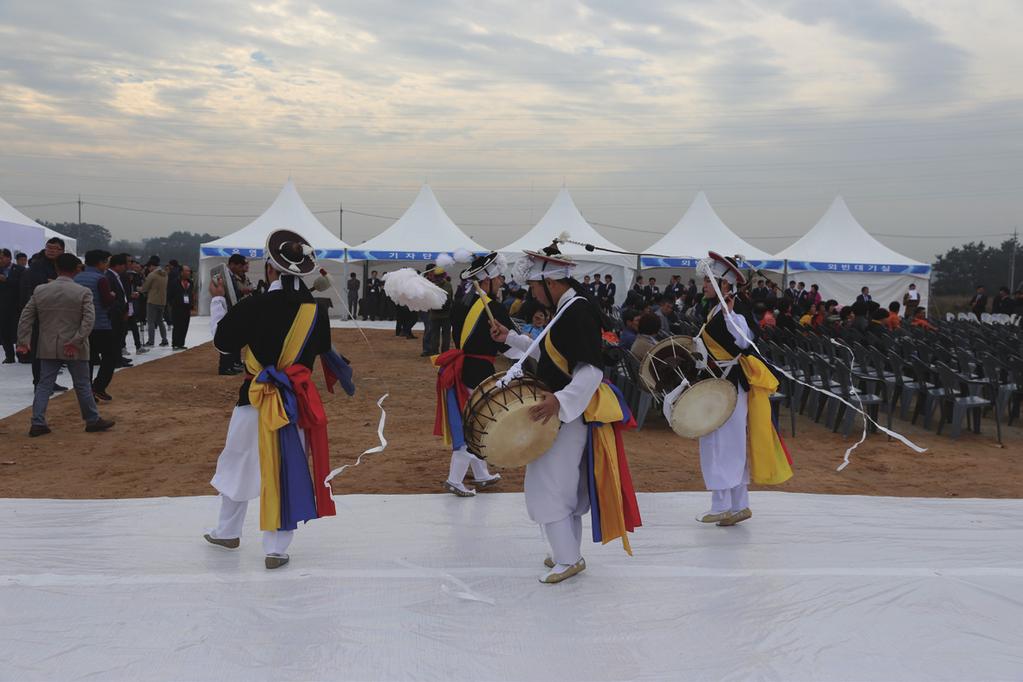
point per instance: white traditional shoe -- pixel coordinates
(228, 543)
(556, 576)
(736, 517)
(493, 480)
(276, 560)
(459, 489)
(712, 517)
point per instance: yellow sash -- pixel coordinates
(605, 410)
(768, 464)
(266, 399)
(472, 318)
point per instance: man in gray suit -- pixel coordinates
(65, 313)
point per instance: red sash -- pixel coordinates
(313, 420)
(450, 376)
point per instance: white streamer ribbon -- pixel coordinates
(380, 401)
(370, 451)
(845, 461)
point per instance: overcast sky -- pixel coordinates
(910, 109)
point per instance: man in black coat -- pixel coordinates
(10, 302)
(180, 299)
(979, 303)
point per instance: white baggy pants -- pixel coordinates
(232, 518)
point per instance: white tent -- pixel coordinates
(699, 231)
(563, 216)
(288, 211)
(18, 232)
(422, 233)
(841, 257)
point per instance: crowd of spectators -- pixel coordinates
(58, 312)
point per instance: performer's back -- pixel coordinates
(262, 322)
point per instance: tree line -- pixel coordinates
(179, 245)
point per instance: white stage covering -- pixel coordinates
(435, 587)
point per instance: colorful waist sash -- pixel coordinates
(286, 399)
(452, 394)
(614, 510)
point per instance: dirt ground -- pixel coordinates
(172, 416)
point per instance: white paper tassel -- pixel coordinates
(462, 255)
(445, 261)
(564, 237)
(408, 288)
(520, 270)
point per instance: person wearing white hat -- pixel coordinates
(725, 459)
(559, 484)
(280, 334)
(463, 367)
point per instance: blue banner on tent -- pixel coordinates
(656, 262)
(227, 252)
(880, 268)
(394, 255)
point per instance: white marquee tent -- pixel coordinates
(18, 232)
(288, 211)
(698, 231)
(841, 256)
(422, 233)
(563, 216)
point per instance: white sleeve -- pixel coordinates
(521, 343)
(574, 398)
(218, 309)
(737, 325)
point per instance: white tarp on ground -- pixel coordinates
(563, 216)
(841, 256)
(434, 587)
(288, 212)
(18, 232)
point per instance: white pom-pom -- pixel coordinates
(408, 288)
(500, 263)
(564, 237)
(520, 270)
(462, 255)
(445, 261)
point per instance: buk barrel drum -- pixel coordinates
(496, 421)
(697, 401)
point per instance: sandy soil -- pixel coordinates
(172, 416)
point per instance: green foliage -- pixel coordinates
(180, 246)
(962, 268)
(89, 236)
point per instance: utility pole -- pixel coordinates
(1012, 261)
(78, 230)
(341, 221)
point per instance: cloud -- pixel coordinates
(774, 105)
(259, 57)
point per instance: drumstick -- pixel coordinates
(483, 296)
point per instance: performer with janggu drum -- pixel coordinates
(585, 469)
(279, 334)
(725, 461)
(471, 361)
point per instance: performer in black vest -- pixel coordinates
(279, 334)
(462, 368)
(563, 484)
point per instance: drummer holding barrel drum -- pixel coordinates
(579, 464)
(725, 343)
